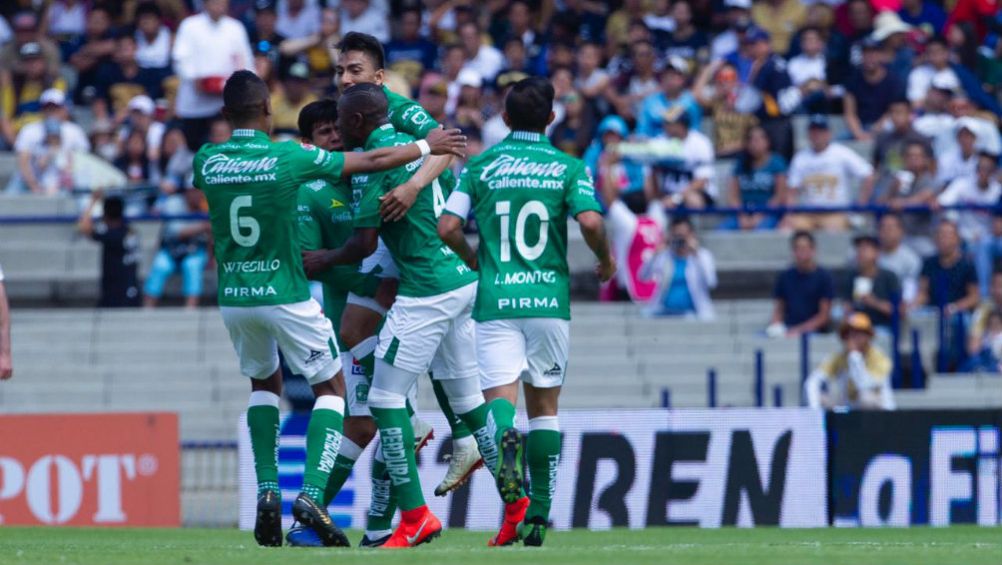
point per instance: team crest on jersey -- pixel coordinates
(335, 203)
(316, 185)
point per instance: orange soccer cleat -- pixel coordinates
(416, 527)
(513, 514)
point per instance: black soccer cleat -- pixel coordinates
(509, 473)
(378, 542)
(533, 531)
(268, 523)
(311, 514)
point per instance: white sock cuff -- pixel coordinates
(379, 452)
(464, 404)
(365, 347)
(545, 423)
(379, 398)
(349, 449)
(263, 398)
(329, 402)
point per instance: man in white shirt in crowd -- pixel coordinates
(32, 137)
(961, 159)
(483, 58)
(976, 226)
(937, 63)
(687, 177)
(936, 122)
(6, 363)
(822, 175)
(364, 16)
(897, 257)
(208, 48)
(297, 18)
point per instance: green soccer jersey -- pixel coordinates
(326, 222)
(408, 116)
(521, 192)
(252, 185)
(427, 266)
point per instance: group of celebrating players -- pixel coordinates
(381, 226)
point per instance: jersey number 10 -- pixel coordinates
(531, 208)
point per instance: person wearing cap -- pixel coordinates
(868, 288)
(983, 124)
(674, 94)
(738, 20)
(686, 177)
(32, 139)
(935, 120)
(771, 94)
(291, 96)
(625, 175)
(469, 111)
(19, 95)
(140, 116)
(467, 78)
(961, 159)
(822, 175)
(25, 27)
(977, 227)
(858, 377)
(209, 47)
(869, 92)
(936, 62)
(780, 18)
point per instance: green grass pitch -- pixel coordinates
(662, 546)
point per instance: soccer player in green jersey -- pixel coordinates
(360, 61)
(521, 192)
(251, 185)
(429, 324)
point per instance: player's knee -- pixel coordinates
(386, 399)
(360, 429)
(351, 335)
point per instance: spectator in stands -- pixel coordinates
(927, 16)
(468, 81)
(935, 121)
(914, 185)
(299, 18)
(936, 61)
(292, 94)
(894, 37)
(20, 91)
(591, 79)
(897, 257)
(92, 57)
(809, 71)
(674, 94)
(134, 160)
(982, 123)
(961, 160)
(685, 274)
(730, 123)
(858, 377)
(686, 41)
(978, 227)
(52, 163)
(209, 47)
(33, 139)
(575, 131)
(949, 280)
(625, 175)
(803, 293)
(759, 179)
(618, 24)
(365, 17)
(890, 144)
(410, 54)
(432, 96)
(869, 93)
(65, 20)
(774, 96)
(183, 245)
(738, 19)
(174, 168)
(263, 35)
(153, 39)
(480, 57)
(687, 177)
(6, 359)
(869, 288)
(517, 23)
(26, 30)
(780, 18)
(102, 140)
(627, 91)
(119, 251)
(984, 347)
(123, 81)
(820, 175)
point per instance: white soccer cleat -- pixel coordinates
(465, 459)
(423, 433)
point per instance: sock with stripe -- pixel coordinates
(543, 457)
(263, 424)
(396, 437)
(323, 442)
(383, 504)
(346, 457)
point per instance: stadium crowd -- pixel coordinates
(687, 104)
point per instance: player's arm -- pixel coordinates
(450, 224)
(579, 195)
(395, 204)
(438, 142)
(361, 244)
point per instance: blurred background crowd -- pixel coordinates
(690, 104)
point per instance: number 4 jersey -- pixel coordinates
(251, 185)
(521, 191)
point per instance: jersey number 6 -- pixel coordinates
(531, 208)
(238, 223)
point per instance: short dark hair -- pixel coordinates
(113, 208)
(529, 104)
(900, 100)
(243, 96)
(318, 112)
(366, 99)
(680, 220)
(803, 234)
(892, 215)
(148, 9)
(937, 40)
(367, 44)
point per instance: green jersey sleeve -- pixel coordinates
(367, 210)
(408, 116)
(579, 193)
(310, 234)
(461, 199)
(310, 162)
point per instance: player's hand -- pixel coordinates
(394, 204)
(447, 142)
(473, 262)
(314, 263)
(606, 269)
(6, 367)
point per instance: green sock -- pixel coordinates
(481, 421)
(543, 447)
(504, 416)
(456, 424)
(396, 436)
(323, 440)
(339, 475)
(383, 503)
(262, 421)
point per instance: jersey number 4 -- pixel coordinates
(240, 223)
(531, 208)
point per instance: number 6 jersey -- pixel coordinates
(252, 185)
(521, 192)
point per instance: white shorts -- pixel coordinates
(300, 330)
(357, 388)
(534, 350)
(382, 260)
(422, 330)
